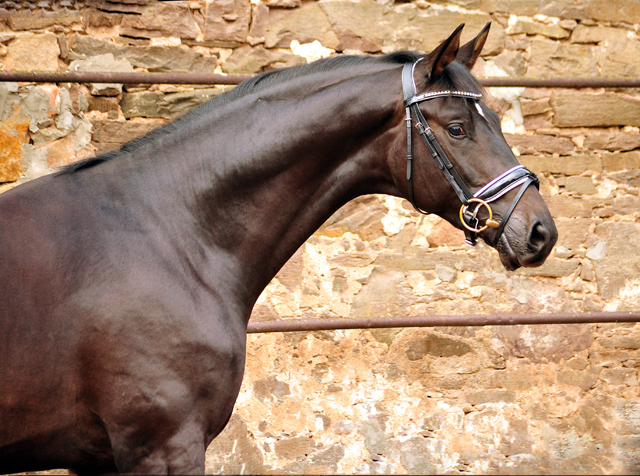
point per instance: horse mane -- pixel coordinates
(456, 76)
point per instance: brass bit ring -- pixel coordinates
(489, 223)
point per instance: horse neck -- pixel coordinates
(276, 164)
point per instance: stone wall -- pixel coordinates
(524, 399)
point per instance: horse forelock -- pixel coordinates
(457, 77)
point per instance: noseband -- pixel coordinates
(472, 203)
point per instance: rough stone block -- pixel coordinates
(374, 437)
(96, 18)
(124, 6)
(227, 21)
(626, 377)
(360, 216)
(415, 456)
(370, 27)
(270, 388)
(61, 152)
(12, 137)
(621, 161)
(534, 28)
(290, 275)
(329, 457)
(582, 109)
(111, 135)
(597, 34)
(620, 266)
(152, 58)
(512, 62)
(536, 106)
(552, 60)
(358, 26)
(532, 144)
(40, 20)
(603, 10)
(628, 413)
(380, 295)
(569, 207)
(612, 142)
(516, 440)
(158, 105)
(572, 165)
(248, 60)
(544, 343)
(585, 379)
(538, 121)
(625, 342)
(631, 177)
(436, 346)
(33, 52)
(305, 24)
(518, 7)
(173, 19)
(490, 396)
(572, 232)
(581, 185)
(445, 234)
(576, 363)
(627, 204)
(621, 58)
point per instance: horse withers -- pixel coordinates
(127, 280)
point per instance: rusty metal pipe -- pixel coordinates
(572, 83)
(212, 79)
(293, 325)
(122, 78)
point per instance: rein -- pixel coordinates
(472, 203)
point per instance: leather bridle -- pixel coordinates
(472, 203)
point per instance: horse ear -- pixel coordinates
(445, 53)
(469, 53)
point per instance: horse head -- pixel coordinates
(463, 169)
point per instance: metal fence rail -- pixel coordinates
(214, 79)
(293, 325)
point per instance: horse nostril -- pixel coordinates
(538, 238)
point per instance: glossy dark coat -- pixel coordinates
(126, 281)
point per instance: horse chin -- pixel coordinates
(508, 257)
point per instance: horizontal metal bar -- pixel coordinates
(122, 78)
(212, 79)
(293, 325)
(570, 83)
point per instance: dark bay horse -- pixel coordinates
(127, 280)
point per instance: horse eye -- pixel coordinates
(457, 131)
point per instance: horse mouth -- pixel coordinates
(530, 255)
